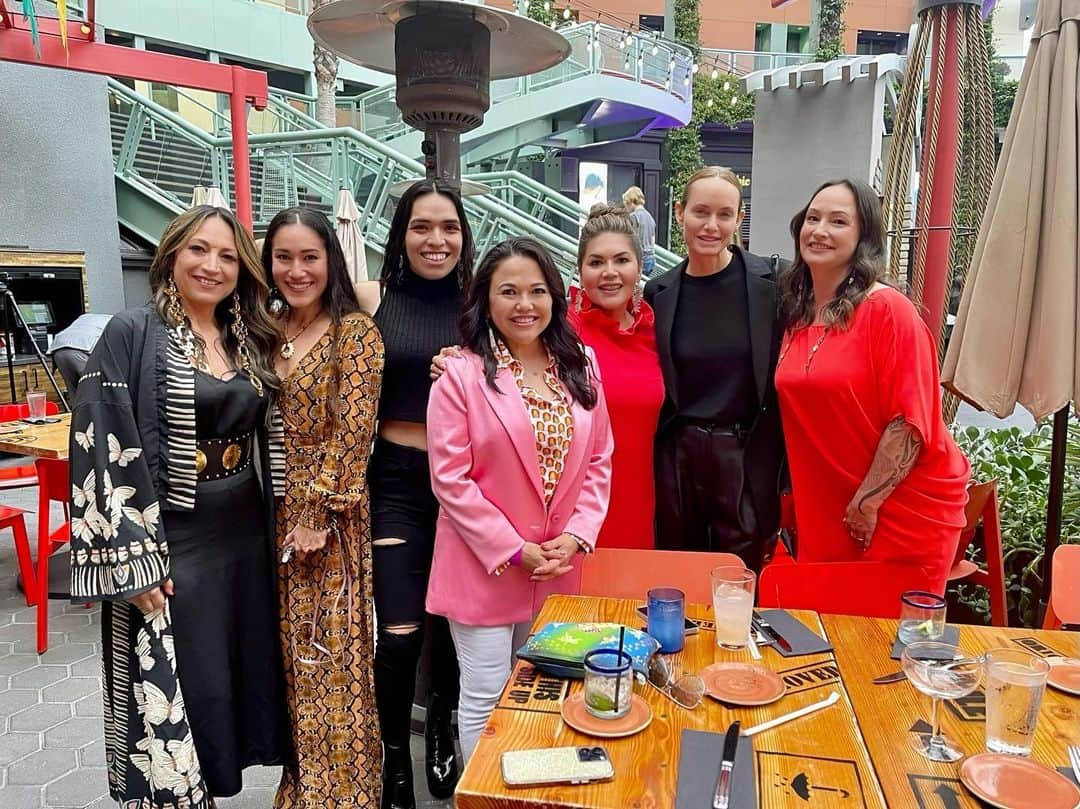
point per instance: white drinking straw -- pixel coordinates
(817, 706)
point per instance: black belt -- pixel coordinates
(714, 428)
(217, 458)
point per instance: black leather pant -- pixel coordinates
(702, 502)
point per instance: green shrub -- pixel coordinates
(1021, 464)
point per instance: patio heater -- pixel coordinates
(445, 54)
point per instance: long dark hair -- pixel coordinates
(396, 262)
(339, 297)
(252, 289)
(571, 363)
(866, 269)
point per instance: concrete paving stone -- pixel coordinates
(81, 609)
(69, 622)
(28, 615)
(75, 733)
(39, 717)
(90, 706)
(39, 676)
(29, 645)
(6, 649)
(16, 699)
(262, 777)
(84, 634)
(42, 767)
(77, 788)
(17, 632)
(68, 652)
(14, 746)
(21, 797)
(72, 689)
(93, 755)
(102, 803)
(15, 663)
(88, 667)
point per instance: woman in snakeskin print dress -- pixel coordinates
(330, 364)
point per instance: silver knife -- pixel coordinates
(722, 793)
(768, 629)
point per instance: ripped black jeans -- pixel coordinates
(404, 508)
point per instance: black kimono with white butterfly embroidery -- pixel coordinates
(132, 456)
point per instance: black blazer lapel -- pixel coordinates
(761, 307)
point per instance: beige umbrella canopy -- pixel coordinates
(348, 233)
(208, 195)
(1017, 335)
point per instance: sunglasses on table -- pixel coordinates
(686, 691)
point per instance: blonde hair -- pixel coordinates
(633, 196)
(608, 219)
(708, 173)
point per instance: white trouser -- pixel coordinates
(485, 657)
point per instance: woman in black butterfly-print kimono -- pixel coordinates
(171, 528)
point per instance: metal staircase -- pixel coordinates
(159, 157)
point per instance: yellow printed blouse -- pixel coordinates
(553, 423)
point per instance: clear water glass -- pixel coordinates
(609, 683)
(667, 618)
(1015, 682)
(922, 616)
(733, 604)
(35, 401)
(941, 671)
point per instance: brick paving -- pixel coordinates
(52, 753)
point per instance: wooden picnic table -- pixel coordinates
(890, 714)
(826, 747)
(37, 440)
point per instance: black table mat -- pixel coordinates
(951, 636)
(699, 764)
(803, 640)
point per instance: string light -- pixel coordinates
(547, 6)
(566, 13)
(715, 74)
(671, 64)
(655, 50)
(697, 67)
(710, 102)
(727, 86)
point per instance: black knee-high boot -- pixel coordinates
(396, 657)
(440, 761)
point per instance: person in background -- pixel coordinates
(719, 446)
(330, 364)
(170, 528)
(520, 449)
(875, 474)
(416, 304)
(609, 314)
(634, 200)
(71, 347)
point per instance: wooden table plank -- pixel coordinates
(887, 713)
(39, 440)
(826, 746)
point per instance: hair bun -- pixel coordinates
(604, 209)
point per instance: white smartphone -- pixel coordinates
(556, 765)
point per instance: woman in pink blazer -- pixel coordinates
(520, 451)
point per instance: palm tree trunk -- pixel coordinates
(326, 70)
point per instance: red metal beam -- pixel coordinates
(88, 56)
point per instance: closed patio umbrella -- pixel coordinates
(348, 233)
(1017, 335)
(208, 195)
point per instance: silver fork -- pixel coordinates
(1074, 760)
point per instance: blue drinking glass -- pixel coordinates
(667, 618)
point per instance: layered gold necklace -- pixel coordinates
(287, 348)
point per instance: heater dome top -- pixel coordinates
(362, 32)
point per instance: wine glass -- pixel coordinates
(941, 671)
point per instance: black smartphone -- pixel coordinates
(690, 627)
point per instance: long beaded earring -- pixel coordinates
(240, 332)
(174, 309)
(636, 298)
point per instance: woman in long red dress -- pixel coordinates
(875, 473)
(612, 319)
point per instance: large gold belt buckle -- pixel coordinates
(231, 457)
(200, 461)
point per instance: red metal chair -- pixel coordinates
(983, 528)
(1064, 605)
(24, 474)
(53, 484)
(840, 588)
(628, 573)
(11, 517)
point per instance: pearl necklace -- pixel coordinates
(287, 348)
(812, 353)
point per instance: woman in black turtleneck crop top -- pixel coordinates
(416, 319)
(416, 304)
